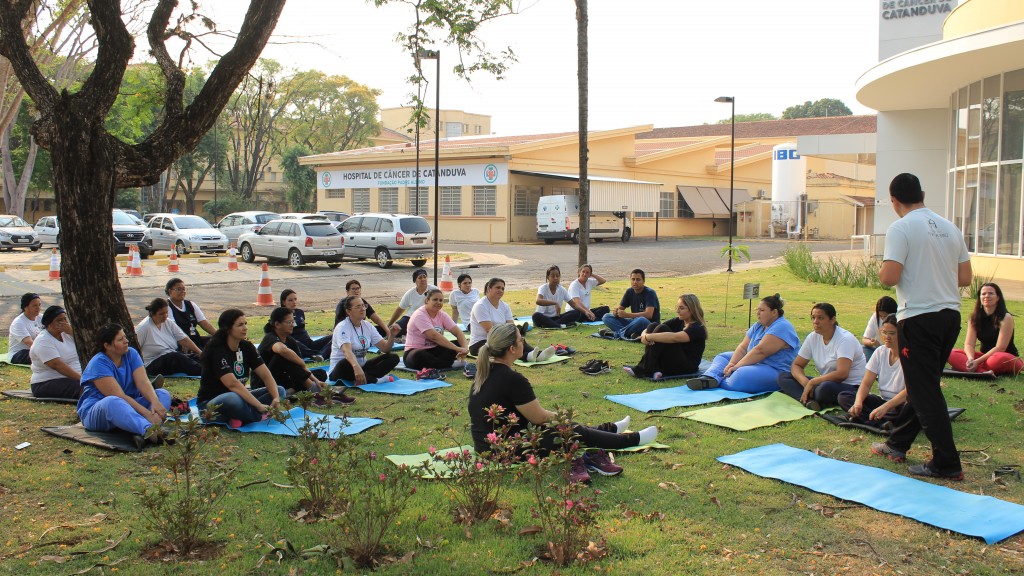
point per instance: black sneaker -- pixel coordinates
(702, 383)
(601, 367)
(929, 472)
(589, 364)
(523, 329)
(606, 333)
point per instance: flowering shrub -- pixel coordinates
(566, 511)
(316, 464)
(179, 507)
(475, 481)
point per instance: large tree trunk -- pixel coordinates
(584, 106)
(83, 168)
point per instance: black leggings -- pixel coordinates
(590, 437)
(436, 357)
(374, 368)
(669, 359)
(290, 375)
(57, 388)
(175, 363)
(542, 321)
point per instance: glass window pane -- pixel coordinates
(451, 200)
(956, 215)
(419, 200)
(388, 200)
(970, 206)
(667, 204)
(360, 200)
(974, 124)
(485, 200)
(961, 128)
(1009, 210)
(990, 120)
(952, 131)
(987, 210)
(1013, 115)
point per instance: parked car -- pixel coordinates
(334, 215)
(385, 237)
(126, 231)
(302, 216)
(297, 241)
(184, 233)
(238, 223)
(133, 213)
(16, 233)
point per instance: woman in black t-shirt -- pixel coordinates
(280, 352)
(316, 349)
(497, 383)
(674, 347)
(990, 329)
(227, 360)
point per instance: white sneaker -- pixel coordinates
(546, 354)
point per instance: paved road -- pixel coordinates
(319, 288)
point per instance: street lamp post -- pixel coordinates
(732, 166)
(435, 55)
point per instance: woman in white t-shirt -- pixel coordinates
(463, 299)
(56, 369)
(353, 338)
(491, 311)
(871, 339)
(165, 347)
(891, 400)
(837, 355)
(551, 300)
(411, 301)
(24, 328)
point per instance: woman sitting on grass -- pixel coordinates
(992, 326)
(56, 370)
(353, 338)
(228, 360)
(463, 298)
(837, 356)
(24, 329)
(497, 383)
(164, 346)
(117, 393)
(891, 401)
(766, 351)
(308, 347)
(551, 300)
(871, 339)
(674, 347)
(280, 352)
(491, 311)
(425, 344)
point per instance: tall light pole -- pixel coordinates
(732, 167)
(435, 55)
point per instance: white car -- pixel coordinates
(296, 241)
(235, 224)
(125, 227)
(302, 216)
(184, 233)
(16, 233)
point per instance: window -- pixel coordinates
(360, 200)
(369, 224)
(388, 200)
(1008, 226)
(667, 204)
(385, 226)
(336, 193)
(682, 208)
(351, 225)
(1013, 126)
(527, 198)
(565, 191)
(419, 200)
(451, 200)
(644, 214)
(485, 200)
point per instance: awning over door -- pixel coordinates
(610, 194)
(695, 200)
(711, 202)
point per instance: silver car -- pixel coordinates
(238, 223)
(126, 232)
(16, 233)
(385, 237)
(184, 233)
(296, 241)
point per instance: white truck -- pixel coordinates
(558, 218)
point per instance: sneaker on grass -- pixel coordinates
(883, 449)
(928, 472)
(601, 463)
(578, 471)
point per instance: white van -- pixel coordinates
(558, 218)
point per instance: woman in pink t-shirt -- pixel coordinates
(425, 343)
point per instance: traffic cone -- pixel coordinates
(54, 266)
(136, 267)
(446, 283)
(232, 257)
(263, 296)
(173, 266)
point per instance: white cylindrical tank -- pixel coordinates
(789, 183)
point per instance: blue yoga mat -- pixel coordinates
(986, 517)
(179, 375)
(665, 398)
(394, 348)
(400, 386)
(296, 419)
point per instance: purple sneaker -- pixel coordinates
(601, 463)
(578, 471)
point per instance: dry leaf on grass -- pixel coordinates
(531, 529)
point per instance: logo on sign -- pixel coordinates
(786, 155)
(490, 173)
(326, 179)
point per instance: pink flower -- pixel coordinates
(383, 477)
(450, 456)
(532, 460)
(313, 461)
(492, 438)
(465, 453)
(513, 419)
(413, 491)
(479, 465)
(432, 450)
(568, 504)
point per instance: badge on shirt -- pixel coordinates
(238, 368)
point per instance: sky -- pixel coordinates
(660, 62)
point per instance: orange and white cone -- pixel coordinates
(136, 266)
(263, 296)
(232, 257)
(173, 266)
(54, 266)
(447, 283)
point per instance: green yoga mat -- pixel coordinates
(552, 360)
(5, 358)
(773, 409)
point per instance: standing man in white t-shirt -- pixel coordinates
(926, 260)
(579, 294)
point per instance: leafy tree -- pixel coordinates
(331, 113)
(754, 117)
(127, 199)
(817, 109)
(301, 179)
(207, 159)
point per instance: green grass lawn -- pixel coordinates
(721, 521)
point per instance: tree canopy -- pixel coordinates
(753, 117)
(817, 109)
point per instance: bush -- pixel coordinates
(832, 270)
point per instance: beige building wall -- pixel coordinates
(470, 124)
